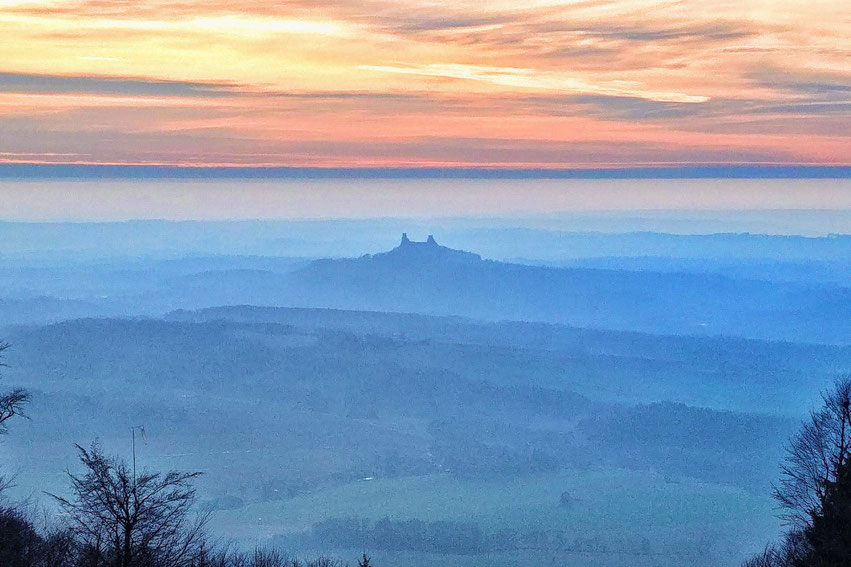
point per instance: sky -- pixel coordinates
(779, 206)
(426, 83)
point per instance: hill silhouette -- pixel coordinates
(431, 279)
(424, 277)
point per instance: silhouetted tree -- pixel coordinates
(21, 545)
(829, 536)
(19, 541)
(792, 551)
(815, 489)
(12, 402)
(131, 521)
(816, 458)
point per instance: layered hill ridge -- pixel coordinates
(410, 252)
(427, 278)
(424, 277)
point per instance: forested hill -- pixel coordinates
(427, 278)
(732, 296)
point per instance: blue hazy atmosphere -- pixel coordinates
(575, 380)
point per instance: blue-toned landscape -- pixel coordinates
(571, 389)
(425, 283)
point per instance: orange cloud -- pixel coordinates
(342, 82)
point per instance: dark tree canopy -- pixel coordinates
(829, 536)
(816, 458)
(815, 489)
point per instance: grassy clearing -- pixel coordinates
(613, 505)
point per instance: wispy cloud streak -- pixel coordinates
(531, 79)
(118, 86)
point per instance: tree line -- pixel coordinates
(457, 538)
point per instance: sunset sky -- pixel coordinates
(410, 83)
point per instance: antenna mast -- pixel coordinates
(133, 431)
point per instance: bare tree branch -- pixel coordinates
(11, 403)
(150, 517)
(815, 457)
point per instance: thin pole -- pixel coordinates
(133, 429)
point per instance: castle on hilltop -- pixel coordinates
(408, 242)
(429, 251)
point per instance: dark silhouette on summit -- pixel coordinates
(426, 252)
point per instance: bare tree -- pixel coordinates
(816, 457)
(792, 551)
(768, 558)
(129, 521)
(11, 403)
(815, 488)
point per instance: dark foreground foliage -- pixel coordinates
(22, 545)
(116, 518)
(815, 489)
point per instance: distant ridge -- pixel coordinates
(424, 252)
(430, 279)
(81, 171)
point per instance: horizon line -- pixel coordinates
(24, 171)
